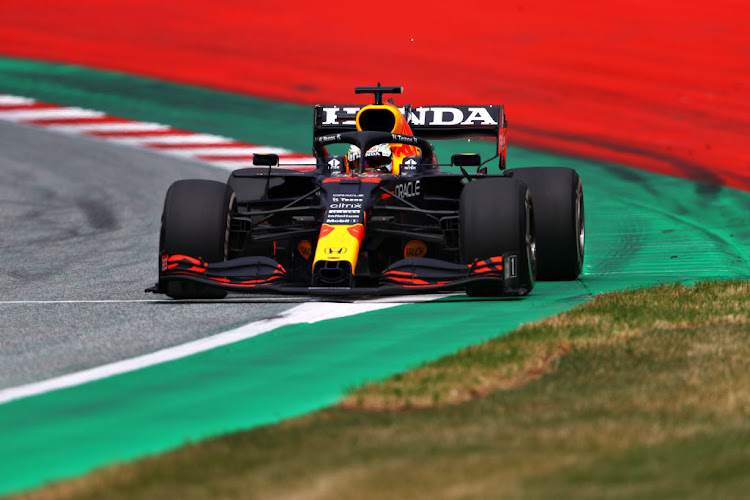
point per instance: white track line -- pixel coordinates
(311, 312)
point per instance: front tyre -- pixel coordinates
(560, 221)
(496, 216)
(195, 222)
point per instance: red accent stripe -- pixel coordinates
(428, 285)
(388, 273)
(179, 257)
(325, 230)
(412, 281)
(256, 282)
(358, 231)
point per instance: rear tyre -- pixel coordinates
(497, 216)
(560, 221)
(195, 222)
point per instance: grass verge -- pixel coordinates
(637, 394)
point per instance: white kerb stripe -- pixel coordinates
(310, 312)
(171, 139)
(82, 128)
(21, 115)
(14, 100)
(226, 151)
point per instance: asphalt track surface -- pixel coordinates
(79, 223)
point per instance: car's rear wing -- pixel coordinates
(428, 122)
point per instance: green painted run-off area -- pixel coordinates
(641, 229)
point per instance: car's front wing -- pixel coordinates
(414, 275)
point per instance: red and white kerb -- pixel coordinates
(213, 149)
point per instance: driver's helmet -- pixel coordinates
(378, 159)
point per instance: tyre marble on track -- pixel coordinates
(79, 221)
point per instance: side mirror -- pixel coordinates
(265, 160)
(466, 160)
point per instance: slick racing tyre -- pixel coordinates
(496, 216)
(559, 217)
(195, 222)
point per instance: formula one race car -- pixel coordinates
(383, 218)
